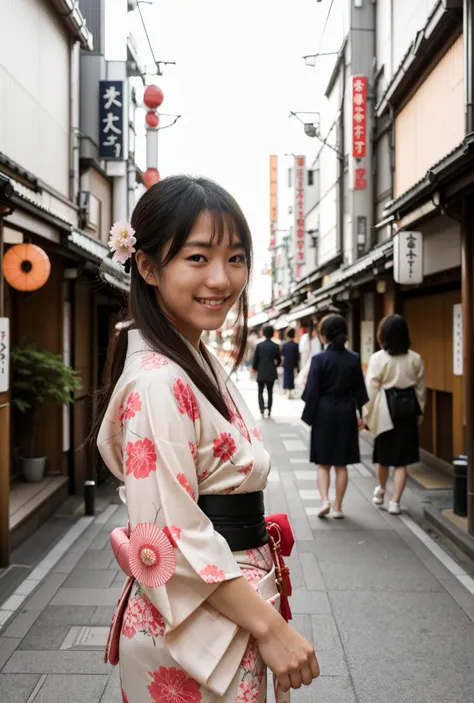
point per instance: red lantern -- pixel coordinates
(150, 177)
(153, 96)
(152, 119)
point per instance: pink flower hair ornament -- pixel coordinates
(121, 242)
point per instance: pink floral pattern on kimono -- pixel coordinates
(255, 432)
(186, 485)
(153, 361)
(186, 399)
(249, 692)
(141, 458)
(124, 697)
(224, 446)
(173, 533)
(132, 405)
(171, 685)
(152, 620)
(132, 618)
(211, 574)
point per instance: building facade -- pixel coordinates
(404, 71)
(67, 147)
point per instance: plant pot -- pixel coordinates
(33, 468)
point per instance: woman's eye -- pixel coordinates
(197, 258)
(239, 259)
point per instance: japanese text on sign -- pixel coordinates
(408, 258)
(359, 116)
(111, 120)
(299, 214)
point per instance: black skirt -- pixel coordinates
(400, 446)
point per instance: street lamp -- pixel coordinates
(310, 59)
(311, 129)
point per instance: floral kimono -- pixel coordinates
(168, 444)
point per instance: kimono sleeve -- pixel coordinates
(312, 392)
(159, 448)
(373, 384)
(420, 386)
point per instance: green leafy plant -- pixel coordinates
(40, 377)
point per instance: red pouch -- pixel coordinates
(113, 640)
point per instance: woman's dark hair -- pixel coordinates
(291, 333)
(334, 329)
(268, 331)
(162, 220)
(393, 335)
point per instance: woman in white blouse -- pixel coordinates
(396, 388)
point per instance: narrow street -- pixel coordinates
(390, 613)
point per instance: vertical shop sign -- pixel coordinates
(457, 340)
(4, 354)
(408, 258)
(359, 116)
(300, 166)
(111, 120)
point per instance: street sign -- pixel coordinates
(111, 109)
(408, 258)
(4, 354)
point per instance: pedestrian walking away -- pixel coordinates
(397, 394)
(291, 356)
(266, 360)
(334, 394)
(200, 613)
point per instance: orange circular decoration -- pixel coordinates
(26, 267)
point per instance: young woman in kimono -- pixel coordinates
(202, 621)
(334, 393)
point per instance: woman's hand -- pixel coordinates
(291, 658)
(361, 424)
(419, 419)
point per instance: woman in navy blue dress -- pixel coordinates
(334, 393)
(291, 357)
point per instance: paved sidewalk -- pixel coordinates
(389, 620)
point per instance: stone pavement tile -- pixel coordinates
(92, 578)
(294, 564)
(460, 594)
(312, 573)
(302, 624)
(67, 563)
(44, 662)
(366, 561)
(101, 541)
(429, 560)
(95, 560)
(119, 580)
(332, 662)
(325, 634)
(309, 602)
(16, 688)
(413, 647)
(45, 637)
(103, 615)
(275, 501)
(112, 693)
(67, 615)
(327, 689)
(299, 521)
(71, 689)
(42, 596)
(87, 596)
(469, 612)
(22, 623)
(7, 647)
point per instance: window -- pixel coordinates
(289, 177)
(310, 178)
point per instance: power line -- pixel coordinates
(325, 24)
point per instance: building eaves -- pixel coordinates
(73, 19)
(336, 70)
(441, 23)
(455, 162)
(28, 200)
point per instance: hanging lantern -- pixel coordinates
(153, 96)
(26, 267)
(152, 119)
(150, 177)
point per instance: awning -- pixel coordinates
(96, 250)
(114, 274)
(303, 312)
(281, 323)
(258, 319)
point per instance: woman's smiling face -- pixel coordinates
(198, 287)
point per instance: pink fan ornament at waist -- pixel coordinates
(151, 557)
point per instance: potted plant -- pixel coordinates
(39, 377)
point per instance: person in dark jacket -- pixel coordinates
(291, 357)
(334, 393)
(266, 360)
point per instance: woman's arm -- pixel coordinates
(291, 658)
(420, 386)
(311, 394)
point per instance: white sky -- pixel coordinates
(239, 73)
